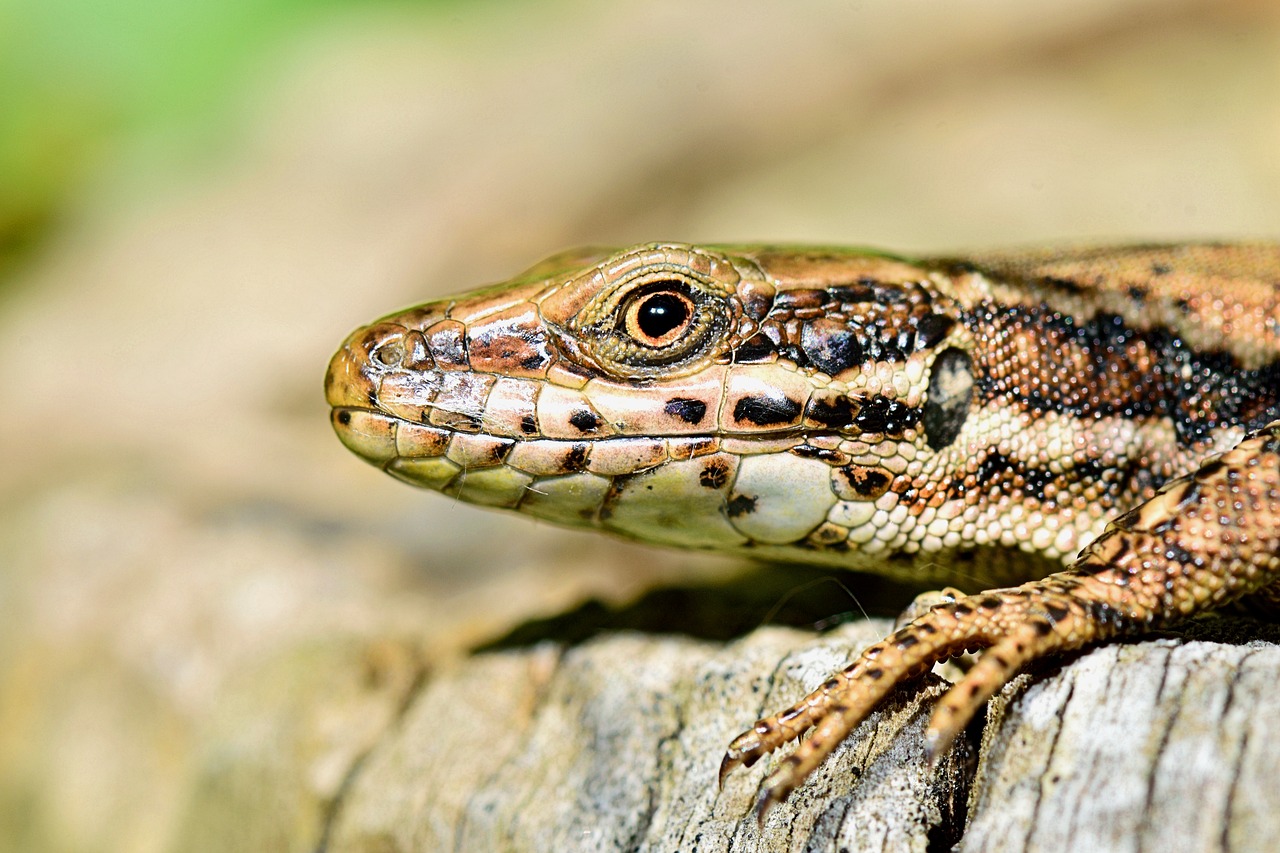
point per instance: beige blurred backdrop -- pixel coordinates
(176, 517)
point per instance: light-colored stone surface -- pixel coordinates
(210, 612)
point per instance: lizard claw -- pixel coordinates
(1011, 624)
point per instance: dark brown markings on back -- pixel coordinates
(584, 421)
(741, 505)
(1123, 482)
(1046, 361)
(687, 410)
(528, 425)
(715, 474)
(766, 411)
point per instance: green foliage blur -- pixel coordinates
(78, 76)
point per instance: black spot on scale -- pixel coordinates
(528, 425)
(834, 412)
(867, 482)
(584, 421)
(889, 293)
(882, 415)
(715, 475)
(950, 394)
(794, 354)
(1181, 556)
(1035, 481)
(741, 505)
(766, 411)
(687, 410)
(931, 330)
(851, 294)
(754, 349)
(830, 345)
(872, 483)
(576, 458)
(831, 457)
(992, 466)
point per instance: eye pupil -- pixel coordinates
(661, 313)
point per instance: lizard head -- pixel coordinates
(772, 400)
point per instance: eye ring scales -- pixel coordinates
(658, 312)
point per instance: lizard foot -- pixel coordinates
(1202, 541)
(1015, 625)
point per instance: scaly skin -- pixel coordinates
(974, 421)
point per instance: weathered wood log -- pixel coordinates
(613, 744)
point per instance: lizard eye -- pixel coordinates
(655, 311)
(660, 323)
(658, 314)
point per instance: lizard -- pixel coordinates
(1088, 436)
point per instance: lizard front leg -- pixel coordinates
(1203, 541)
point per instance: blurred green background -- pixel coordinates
(198, 200)
(84, 77)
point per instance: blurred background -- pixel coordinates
(199, 199)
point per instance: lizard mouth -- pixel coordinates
(701, 491)
(400, 404)
(435, 456)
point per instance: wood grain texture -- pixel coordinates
(612, 745)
